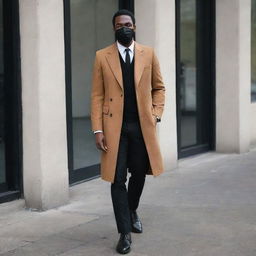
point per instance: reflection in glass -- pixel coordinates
(188, 72)
(2, 145)
(253, 51)
(91, 29)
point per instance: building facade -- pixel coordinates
(207, 54)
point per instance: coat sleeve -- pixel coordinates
(158, 88)
(97, 95)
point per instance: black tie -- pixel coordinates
(127, 57)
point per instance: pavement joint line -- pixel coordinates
(206, 206)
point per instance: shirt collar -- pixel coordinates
(122, 48)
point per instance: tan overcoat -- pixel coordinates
(107, 102)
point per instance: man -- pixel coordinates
(127, 102)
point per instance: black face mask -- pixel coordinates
(124, 35)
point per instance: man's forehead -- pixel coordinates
(123, 19)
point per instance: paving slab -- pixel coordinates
(205, 207)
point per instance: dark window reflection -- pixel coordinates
(2, 145)
(91, 29)
(253, 50)
(188, 72)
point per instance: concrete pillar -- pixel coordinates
(45, 170)
(155, 21)
(233, 72)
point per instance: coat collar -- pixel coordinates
(114, 63)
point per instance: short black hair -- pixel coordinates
(123, 12)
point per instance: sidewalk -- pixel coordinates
(205, 207)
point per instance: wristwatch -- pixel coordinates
(158, 119)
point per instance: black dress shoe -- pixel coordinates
(136, 223)
(124, 244)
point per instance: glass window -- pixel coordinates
(253, 51)
(91, 29)
(188, 83)
(2, 144)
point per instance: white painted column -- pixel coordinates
(45, 170)
(155, 21)
(233, 72)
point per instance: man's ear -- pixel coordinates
(134, 27)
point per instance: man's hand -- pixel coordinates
(100, 141)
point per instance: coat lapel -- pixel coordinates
(139, 63)
(115, 66)
(114, 63)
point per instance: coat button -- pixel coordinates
(110, 114)
(111, 99)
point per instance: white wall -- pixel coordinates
(45, 170)
(233, 72)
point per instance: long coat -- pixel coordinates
(107, 102)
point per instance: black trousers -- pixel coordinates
(132, 154)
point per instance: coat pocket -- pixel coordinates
(147, 67)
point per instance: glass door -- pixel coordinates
(195, 76)
(88, 27)
(3, 185)
(253, 51)
(10, 102)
